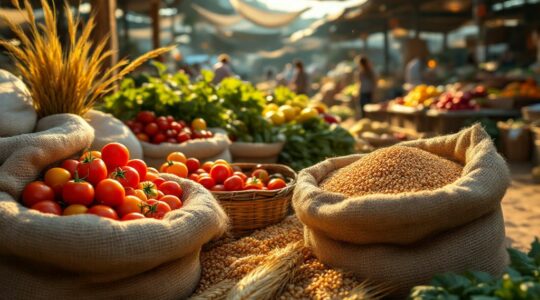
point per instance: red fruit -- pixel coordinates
(207, 181)
(171, 188)
(78, 191)
(137, 127)
(182, 123)
(138, 165)
(176, 126)
(115, 155)
(133, 216)
(158, 181)
(262, 174)
(276, 184)
(218, 188)
(110, 192)
(183, 137)
(92, 170)
(146, 117)
(156, 209)
(170, 119)
(103, 211)
(143, 137)
(234, 183)
(197, 134)
(194, 177)
(202, 171)
(48, 207)
(131, 204)
(70, 165)
(241, 175)
(151, 129)
(192, 164)
(162, 123)
(171, 133)
(159, 138)
(253, 183)
(35, 192)
(172, 141)
(173, 201)
(127, 176)
(220, 172)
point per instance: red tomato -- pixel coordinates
(132, 204)
(162, 123)
(152, 170)
(78, 191)
(171, 188)
(92, 170)
(110, 192)
(103, 211)
(253, 183)
(138, 165)
(150, 176)
(183, 137)
(151, 129)
(194, 177)
(175, 126)
(70, 165)
(170, 119)
(115, 155)
(48, 207)
(159, 138)
(234, 183)
(149, 189)
(173, 201)
(35, 192)
(171, 135)
(127, 176)
(207, 181)
(158, 181)
(159, 195)
(276, 184)
(146, 116)
(220, 173)
(156, 209)
(201, 171)
(241, 175)
(133, 216)
(218, 188)
(193, 164)
(207, 166)
(137, 127)
(143, 137)
(262, 174)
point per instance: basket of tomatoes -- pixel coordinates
(253, 195)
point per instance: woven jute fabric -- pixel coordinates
(84, 256)
(17, 114)
(404, 239)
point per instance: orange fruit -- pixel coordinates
(177, 156)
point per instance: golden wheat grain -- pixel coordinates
(216, 292)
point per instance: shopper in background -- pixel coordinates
(222, 68)
(414, 72)
(368, 82)
(299, 82)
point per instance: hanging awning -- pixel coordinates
(265, 18)
(217, 19)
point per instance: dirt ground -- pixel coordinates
(521, 206)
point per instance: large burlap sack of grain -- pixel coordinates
(403, 239)
(86, 257)
(256, 152)
(109, 129)
(17, 114)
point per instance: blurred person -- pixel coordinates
(368, 82)
(222, 68)
(284, 78)
(299, 82)
(414, 71)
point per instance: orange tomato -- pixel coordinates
(207, 166)
(177, 156)
(75, 209)
(198, 124)
(177, 168)
(151, 176)
(56, 178)
(88, 154)
(140, 194)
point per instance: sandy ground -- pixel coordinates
(521, 206)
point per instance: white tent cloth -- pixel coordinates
(265, 18)
(217, 19)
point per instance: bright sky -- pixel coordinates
(318, 8)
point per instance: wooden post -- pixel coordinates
(386, 49)
(104, 11)
(154, 15)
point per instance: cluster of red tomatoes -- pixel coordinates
(149, 128)
(220, 176)
(107, 184)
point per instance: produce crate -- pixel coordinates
(530, 114)
(446, 122)
(410, 118)
(515, 144)
(251, 210)
(376, 112)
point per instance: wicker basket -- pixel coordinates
(251, 210)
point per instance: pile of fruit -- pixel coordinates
(456, 100)
(422, 96)
(156, 130)
(526, 89)
(286, 113)
(105, 183)
(220, 176)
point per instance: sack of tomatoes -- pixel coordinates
(70, 245)
(162, 135)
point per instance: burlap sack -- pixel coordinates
(17, 114)
(109, 129)
(86, 257)
(256, 152)
(402, 240)
(202, 149)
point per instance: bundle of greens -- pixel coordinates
(520, 281)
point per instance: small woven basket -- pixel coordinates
(251, 210)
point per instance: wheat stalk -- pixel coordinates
(69, 79)
(269, 280)
(216, 292)
(367, 291)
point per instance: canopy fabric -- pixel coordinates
(265, 18)
(217, 19)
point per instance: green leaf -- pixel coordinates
(534, 253)
(521, 262)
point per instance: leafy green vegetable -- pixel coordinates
(520, 281)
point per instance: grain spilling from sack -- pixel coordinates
(393, 170)
(231, 259)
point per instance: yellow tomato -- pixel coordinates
(307, 114)
(319, 106)
(93, 154)
(288, 111)
(75, 209)
(177, 156)
(198, 124)
(270, 107)
(276, 117)
(56, 178)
